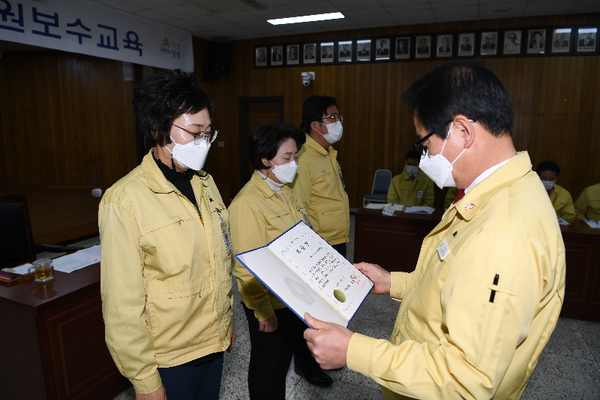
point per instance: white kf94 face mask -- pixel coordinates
(285, 172)
(191, 155)
(438, 168)
(335, 132)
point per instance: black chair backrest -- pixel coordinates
(16, 238)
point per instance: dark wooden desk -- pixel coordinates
(582, 294)
(381, 240)
(53, 340)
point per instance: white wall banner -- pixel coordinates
(86, 28)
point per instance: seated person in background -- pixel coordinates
(412, 187)
(587, 205)
(562, 202)
(450, 196)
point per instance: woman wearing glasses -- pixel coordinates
(264, 209)
(166, 253)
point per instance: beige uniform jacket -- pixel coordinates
(258, 216)
(563, 203)
(415, 192)
(165, 274)
(450, 341)
(587, 205)
(320, 186)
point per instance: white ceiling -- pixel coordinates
(222, 20)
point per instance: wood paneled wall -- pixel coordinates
(66, 119)
(556, 102)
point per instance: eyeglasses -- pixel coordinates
(418, 146)
(335, 118)
(209, 136)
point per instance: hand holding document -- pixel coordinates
(309, 275)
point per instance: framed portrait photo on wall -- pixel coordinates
(444, 46)
(260, 57)
(586, 40)
(423, 47)
(561, 40)
(310, 53)
(536, 42)
(512, 43)
(402, 48)
(383, 49)
(364, 50)
(345, 51)
(293, 54)
(277, 55)
(327, 52)
(466, 44)
(489, 43)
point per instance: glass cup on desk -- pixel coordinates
(43, 270)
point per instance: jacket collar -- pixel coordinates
(477, 197)
(263, 188)
(312, 143)
(156, 179)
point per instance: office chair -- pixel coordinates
(381, 184)
(16, 238)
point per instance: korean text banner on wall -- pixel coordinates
(85, 28)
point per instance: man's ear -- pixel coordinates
(466, 127)
(314, 126)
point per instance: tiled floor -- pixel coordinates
(569, 367)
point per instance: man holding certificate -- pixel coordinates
(489, 284)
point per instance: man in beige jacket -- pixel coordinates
(489, 283)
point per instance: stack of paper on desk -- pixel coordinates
(78, 260)
(309, 275)
(419, 210)
(593, 224)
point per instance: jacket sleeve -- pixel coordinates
(302, 185)
(393, 197)
(123, 299)
(568, 211)
(581, 205)
(429, 195)
(247, 233)
(470, 359)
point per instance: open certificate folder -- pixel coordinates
(308, 275)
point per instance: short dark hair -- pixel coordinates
(164, 97)
(469, 88)
(314, 108)
(548, 166)
(268, 138)
(415, 155)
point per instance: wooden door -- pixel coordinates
(254, 112)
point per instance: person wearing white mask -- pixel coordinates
(489, 284)
(166, 253)
(265, 208)
(560, 197)
(411, 187)
(319, 182)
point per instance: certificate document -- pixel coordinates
(309, 275)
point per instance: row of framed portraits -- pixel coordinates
(492, 43)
